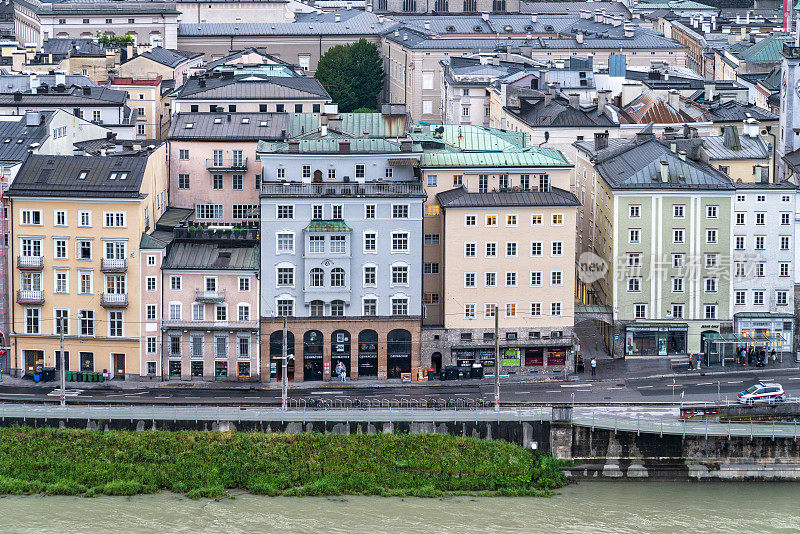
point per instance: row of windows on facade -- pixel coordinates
(513, 336)
(442, 6)
(336, 308)
(512, 310)
(112, 250)
(217, 211)
(678, 236)
(115, 284)
(262, 108)
(218, 182)
(740, 297)
(197, 346)
(175, 368)
(511, 249)
(676, 311)
(336, 211)
(711, 260)
(337, 276)
(85, 319)
(108, 21)
(285, 243)
(512, 220)
(712, 212)
(199, 312)
(34, 217)
(209, 283)
(512, 278)
(505, 182)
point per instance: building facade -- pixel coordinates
(342, 262)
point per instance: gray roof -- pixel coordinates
(461, 198)
(762, 186)
(71, 96)
(573, 8)
(79, 47)
(240, 127)
(253, 87)
(212, 255)
(16, 136)
(352, 22)
(170, 58)
(239, 53)
(57, 176)
(94, 7)
(22, 83)
(636, 164)
(749, 147)
(733, 111)
(558, 113)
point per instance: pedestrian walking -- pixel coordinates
(774, 355)
(594, 365)
(340, 370)
(698, 361)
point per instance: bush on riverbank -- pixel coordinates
(206, 464)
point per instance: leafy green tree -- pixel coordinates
(352, 74)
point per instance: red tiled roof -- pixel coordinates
(127, 80)
(647, 108)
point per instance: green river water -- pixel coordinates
(608, 507)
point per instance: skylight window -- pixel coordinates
(123, 176)
(7, 140)
(112, 176)
(245, 120)
(218, 121)
(189, 125)
(262, 124)
(82, 175)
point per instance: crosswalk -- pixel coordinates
(67, 393)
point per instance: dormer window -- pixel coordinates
(218, 121)
(82, 175)
(7, 140)
(118, 175)
(477, 29)
(262, 124)
(123, 176)
(245, 120)
(189, 125)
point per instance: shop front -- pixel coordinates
(340, 352)
(312, 356)
(398, 353)
(367, 353)
(512, 359)
(656, 339)
(767, 325)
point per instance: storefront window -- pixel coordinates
(655, 342)
(220, 368)
(197, 368)
(244, 369)
(175, 368)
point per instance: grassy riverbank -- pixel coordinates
(206, 464)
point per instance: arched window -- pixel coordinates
(337, 308)
(316, 277)
(470, 6)
(409, 6)
(337, 277)
(441, 6)
(317, 308)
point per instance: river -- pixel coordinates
(608, 507)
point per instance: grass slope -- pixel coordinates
(207, 464)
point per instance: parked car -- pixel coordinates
(762, 392)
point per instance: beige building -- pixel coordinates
(74, 256)
(168, 64)
(147, 97)
(499, 234)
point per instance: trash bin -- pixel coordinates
(68, 376)
(477, 370)
(450, 373)
(431, 374)
(37, 377)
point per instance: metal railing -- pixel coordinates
(30, 262)
(30, 296)
(226, 164)
(114, 300)
(204, 295)
(114, 265)
(342, 189)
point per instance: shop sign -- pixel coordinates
(326, 367)
(512, 353)
(510, 362)
(312, 356)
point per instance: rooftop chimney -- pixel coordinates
(337, 17)
(427, 25)
(533, 18)
(33, 118)
(600, 140)
(664, 170)
(579, 37)
(598, 17)
(628, 30)
(751, 128)
(673, 98)
(586, 14)
(682, 155)
(574, 100)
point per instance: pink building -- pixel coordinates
(213, 169)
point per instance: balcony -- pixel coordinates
(114, 300)
(171, 324)
(30, 296)
(342, 189)
(30, 262)
(224, 164)
(114, 266)
(202, 295)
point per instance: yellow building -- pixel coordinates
(76, 224)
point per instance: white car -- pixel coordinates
(762, 392)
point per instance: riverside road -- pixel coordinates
(695, 387)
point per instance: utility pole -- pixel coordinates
(496, 359)
(62, 373)
(284, 367)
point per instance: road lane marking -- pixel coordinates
(616, 388)
(252, 398)
(327, 393)
(554, 391)
(515, 393)
(576, 385)
(643, 387)
(734, 381)
(793, 378)
(704, 384)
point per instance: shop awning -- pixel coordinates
(730, 338)
(661, 327)
(762, 315)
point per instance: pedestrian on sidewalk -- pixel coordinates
(594, 365)
(698, 361)
(340, 370)
(774, 355)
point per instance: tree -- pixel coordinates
(352, 74)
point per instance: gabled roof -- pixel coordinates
(573, 8)
(733, 146)
(230, 127)
(129, 80)
(733, 111)
(170, 58)
(331, 144)
(767, 49)
(535, 110)
(461, 198)
(95, 7)
(76, 47)
(16, 136)
(647, 108)
(62, 176)
(236, 55)
(252, 87)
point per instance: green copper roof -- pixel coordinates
(766, 50)
(533, 157)
(335, 225)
